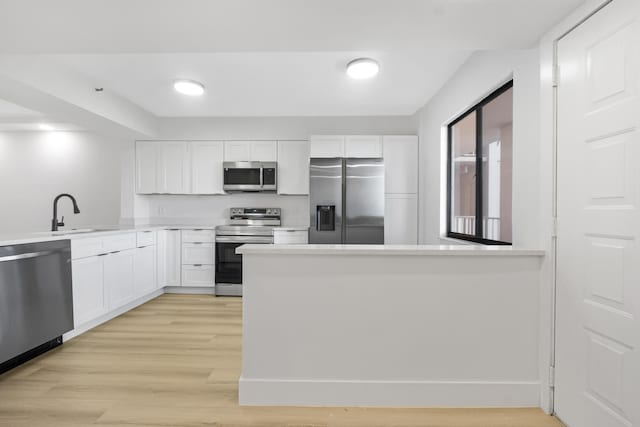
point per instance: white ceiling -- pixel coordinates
(270, 58)
(273, 83)
(13, 111)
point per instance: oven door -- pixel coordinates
(228, 262)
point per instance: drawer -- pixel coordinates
(201, 236)
(198, 275)
(146, 238)
(82, 248)
(290, 237)
(198, 253)
(119, 242)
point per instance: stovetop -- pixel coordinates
(250, 222)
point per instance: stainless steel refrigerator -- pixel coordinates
(346, 201)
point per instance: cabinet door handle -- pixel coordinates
(103, 254)
(115, 252)
(197, 265)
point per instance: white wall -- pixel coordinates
(483, 73)
(166, 209)
(36, 166)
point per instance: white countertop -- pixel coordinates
(46, 236)
(437, 250)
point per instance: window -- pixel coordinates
(479, 171)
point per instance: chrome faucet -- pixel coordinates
(54, 222)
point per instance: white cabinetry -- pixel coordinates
(401, 219)
(363, 146)
(401, 164)
(88, 289)
(250, 151)
(293, 167)
(206, 167)
(162, 167)
(198, 258)
(359, 146)
(169, 263)
(326, 146)
(401, 189)
(145, 270)
(119, 277)
(173, 169)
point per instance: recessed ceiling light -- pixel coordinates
(45, 126)
(188, 87)
(362, 68)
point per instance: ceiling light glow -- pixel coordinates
(362, 68)
(189, 87)
(44, 126)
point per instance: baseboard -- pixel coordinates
(262, 392)
(110, 315)
(194, 290)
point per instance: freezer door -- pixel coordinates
(325, 199)
(364, 201)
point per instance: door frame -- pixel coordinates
(554, 206)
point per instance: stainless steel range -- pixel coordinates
(246, 225)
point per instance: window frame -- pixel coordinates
(477, 108)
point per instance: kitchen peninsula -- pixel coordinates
(374, 325)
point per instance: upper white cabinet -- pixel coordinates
(237, 151)
(293, 167)
(264, 151)
(401, 219)
(173, 169)
(206, 167)
(346, 146)
(162, 167)
(363, 146)
(401, 164)
(327, 146)
(250, 151)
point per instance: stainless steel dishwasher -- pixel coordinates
(36, 305)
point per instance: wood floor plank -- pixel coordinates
(175, 361)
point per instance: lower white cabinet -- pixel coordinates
(169, 263)
(119, 277)
(145, 270)
(88, 289)
(401, 219)
(198, 258)
(198, 275)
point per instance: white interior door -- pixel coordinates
(598, 264)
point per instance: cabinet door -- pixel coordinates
(264, 151)
(237, 151)
(293, 167)
(173, 167)
(206, 167)
(169, 258)
(198, 253)
(145, 270)
(401, 164)
(119, 278)
(327, 146)
(88, 289)
(401, 219)
(146, 167)
(363, 146)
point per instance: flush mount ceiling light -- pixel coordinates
(188, 87)
(44, 126)
(362, 68)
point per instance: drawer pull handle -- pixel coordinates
(115, 252)
(197, 265)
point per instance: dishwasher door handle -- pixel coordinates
(25, 256)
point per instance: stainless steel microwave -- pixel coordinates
(250, 176)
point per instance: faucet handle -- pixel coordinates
(61, 222)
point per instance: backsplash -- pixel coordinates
(200, 210)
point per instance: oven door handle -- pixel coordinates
(245, 239)
(261, 176)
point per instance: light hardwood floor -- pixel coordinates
(175, 361)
